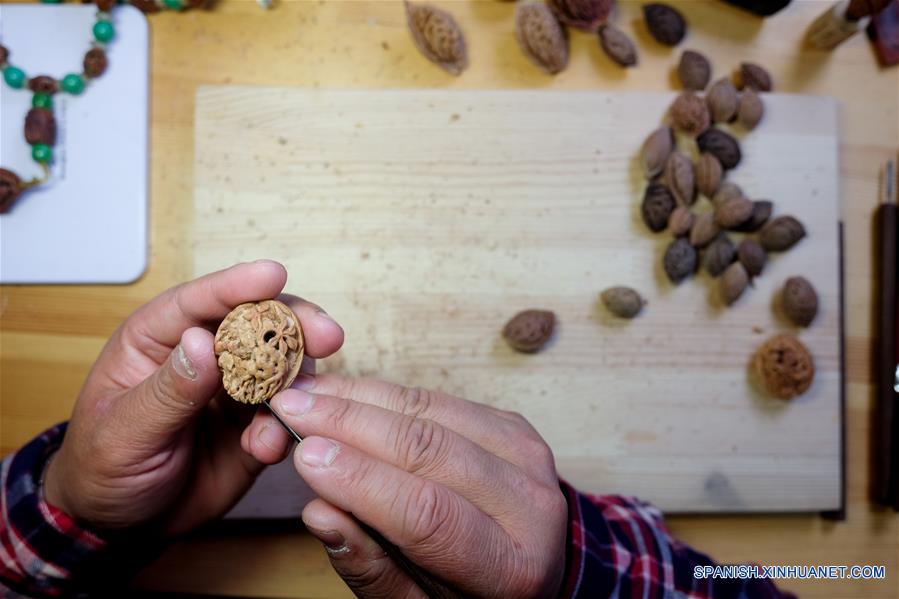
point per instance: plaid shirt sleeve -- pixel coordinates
(40, 546)
(620, 547)
(43, 552)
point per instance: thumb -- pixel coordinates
(166, 401)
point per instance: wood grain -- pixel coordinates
(422, 220)
(364, 44)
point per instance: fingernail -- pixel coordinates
(318, 452)
(295, 402)
(269, 437)
(324, 314)
(181, 364)
(333, 541)
(304, 382)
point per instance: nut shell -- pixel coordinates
(694, 70)
(751, 108)
(665, 23)
(10, 189)
(761, 212)
(781, 234)
(726, 192)
(733, 213)
(658, 204)
(679, 260)
(529, 330)
(40, 127)
(617, 45)
(719, 255)
(622, 301)
(680, 178)
(709, 173)
(437, 36)
(752, 256)
(655, 151)
(541, 37)
(722, 146)
(690, 114)
(800, 301)
(681, 221)
(784, 366)
(733, 283)
(755, 77)
(723, 101)
(259, 347)
(704, 230)
(586, 15)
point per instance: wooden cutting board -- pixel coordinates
(422, 220)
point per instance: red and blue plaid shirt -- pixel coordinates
(617, 546)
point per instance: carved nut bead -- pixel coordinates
(10, 189)
(437, 36)
(529, 330)
(40, 127)
(42, 84)
(95, 62)
(785, 366)
(259, 347)
(4, 55)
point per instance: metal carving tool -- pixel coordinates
(431, 587)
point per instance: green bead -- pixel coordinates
(40, 100)
(42, 153)
(73, 84)
(14, 77)
(104, 31)
(52, 1)
(174, 4)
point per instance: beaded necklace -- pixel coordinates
(40, 124)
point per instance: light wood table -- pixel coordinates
(51, 335)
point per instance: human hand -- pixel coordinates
(469, 493)
(153, 437)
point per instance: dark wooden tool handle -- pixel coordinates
(887, 439)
